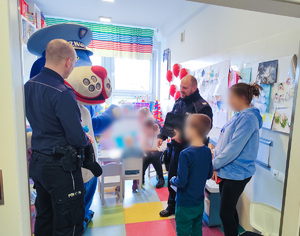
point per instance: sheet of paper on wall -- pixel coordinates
(213, 87)
(282, 120)
(267, 120)
(267, 72)
(245, 74)
(263, 101)
(233, 78)
(218, 106)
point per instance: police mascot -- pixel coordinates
(90, 84)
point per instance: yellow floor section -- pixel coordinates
(143, 212)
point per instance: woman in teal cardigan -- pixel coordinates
(236, 152)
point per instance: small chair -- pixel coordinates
(132, 164)
(265, 219)
(112, 176)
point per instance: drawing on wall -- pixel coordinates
(263, 101)
(267, 120)
(282, 120)
(233, 78)
(267, 72)
(245, 75)
(213, 87)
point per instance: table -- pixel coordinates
(110, 155)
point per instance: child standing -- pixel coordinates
(195, 167)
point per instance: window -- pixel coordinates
(132, 75)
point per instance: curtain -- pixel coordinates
(115, 41)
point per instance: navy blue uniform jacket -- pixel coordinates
(191, 105)
(53, 113)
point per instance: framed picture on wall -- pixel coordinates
(267, 72)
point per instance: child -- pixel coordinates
(195, 167)
(132, 151)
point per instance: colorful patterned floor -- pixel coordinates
(137, 216)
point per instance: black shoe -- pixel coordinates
(166, 213)
(160, 183)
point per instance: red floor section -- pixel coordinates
(150, 228)
(162, 193)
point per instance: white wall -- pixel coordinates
(244, 37)
(15, 213)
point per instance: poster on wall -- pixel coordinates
(213, 87)
(282, 120)
(245, 75)
(267, 72)
(263, 101)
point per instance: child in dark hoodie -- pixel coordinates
(195, 167)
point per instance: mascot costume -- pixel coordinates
(90, 84)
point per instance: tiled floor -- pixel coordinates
(138, 215)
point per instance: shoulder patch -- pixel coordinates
(204, 103)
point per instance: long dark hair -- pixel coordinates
(248, 91)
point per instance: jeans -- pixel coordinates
(60, 197)
(230, 191)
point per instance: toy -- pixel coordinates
(157, 112)
(90, 84)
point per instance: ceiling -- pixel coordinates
(278, 7)
(156, 14)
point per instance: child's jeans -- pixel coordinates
(189, 220)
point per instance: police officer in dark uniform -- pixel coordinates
(189, 102)
(53, 113)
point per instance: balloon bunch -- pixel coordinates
(177, 72)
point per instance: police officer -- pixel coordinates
(189, 102)
(53, 113)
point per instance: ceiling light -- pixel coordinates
(105, 19)
(108, 0)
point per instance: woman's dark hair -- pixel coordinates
(247, 91)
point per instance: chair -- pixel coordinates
(265, 219)
(112, 176)
(133, 164)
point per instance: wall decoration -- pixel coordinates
(213, 87)
(169, 76)
(173, 90)
(267, 120)
(176, 69)
(282, 120)
(183, 73)
(263, 101)
(177, 95)
(245, 75)
(233, 78)
(267, 72)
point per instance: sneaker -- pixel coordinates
(166, 213)
(160, 183)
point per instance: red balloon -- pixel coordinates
(177, 95)
(172, 90)
(183, 72)
(176, 70)
(169, 75)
